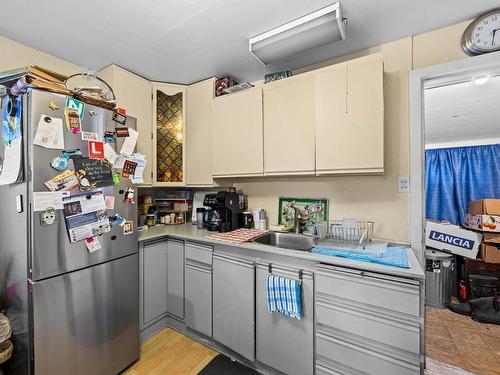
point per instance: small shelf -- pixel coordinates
(160, 210)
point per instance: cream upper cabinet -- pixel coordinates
(350, 117)
(331, 116)
(289, 126)
(133, 93)
(169, 132)
(199, 133)
(365, 116)
(237, 148)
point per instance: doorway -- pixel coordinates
(455, 160)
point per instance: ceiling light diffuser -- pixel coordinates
(314, 30)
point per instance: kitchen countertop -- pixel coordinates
(191, 233)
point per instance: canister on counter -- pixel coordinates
(200, 218)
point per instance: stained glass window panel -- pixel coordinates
(169, 137)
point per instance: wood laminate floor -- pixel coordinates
(451, 339)
(462, 342)
(169, 352)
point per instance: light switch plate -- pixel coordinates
(19, 203)
(403, 184)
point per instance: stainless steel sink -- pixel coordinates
(287, 240)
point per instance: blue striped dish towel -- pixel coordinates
(284, 296)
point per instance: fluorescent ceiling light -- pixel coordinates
(316, 29)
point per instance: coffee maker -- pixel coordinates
(225, 213)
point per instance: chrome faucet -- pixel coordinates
(297, 219)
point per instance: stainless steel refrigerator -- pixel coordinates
(72, 311)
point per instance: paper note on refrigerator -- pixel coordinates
(109, 153)
(85, 216)
(129, 143)
(62, 182)
(49, 133)
(141, 161)
(110, 202)
(10, 167)
(44, 200)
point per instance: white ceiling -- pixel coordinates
(463, 114)
(187, 40)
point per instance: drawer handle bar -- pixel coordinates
(270, 270)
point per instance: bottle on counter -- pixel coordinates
(262, 220)
(256, 218)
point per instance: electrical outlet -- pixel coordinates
(403, 184)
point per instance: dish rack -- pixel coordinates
(345, 233)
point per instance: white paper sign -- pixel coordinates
(129, 143)
(44, 199)
(141, 161)
(49, 133)
(109, 153)
(120, 161)
(11, 166)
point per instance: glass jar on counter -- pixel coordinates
(150, 220)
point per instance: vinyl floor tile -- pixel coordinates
(459, 341)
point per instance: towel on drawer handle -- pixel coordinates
(284, 295)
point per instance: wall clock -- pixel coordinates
(483, 34)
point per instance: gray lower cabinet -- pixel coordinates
(284, 343)
(366, 323)
(154, 281)
(234, 304)
(198, 298)
(175, 278)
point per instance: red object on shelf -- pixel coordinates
(121, 111)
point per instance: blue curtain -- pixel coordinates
(456, 176)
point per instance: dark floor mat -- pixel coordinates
(222, 365)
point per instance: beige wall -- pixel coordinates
(439, 46)
(16, 55)
(372, 197)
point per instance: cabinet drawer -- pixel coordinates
(199, 253)
(398, 331)
(354, 357)
(371, 290)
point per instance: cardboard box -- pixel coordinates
(490, 253)
(484, 215)
(484, 207)
(484, 223)
(452, 238)
(493, 238)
